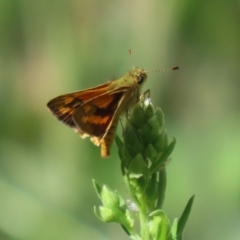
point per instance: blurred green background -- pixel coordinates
(51, 47)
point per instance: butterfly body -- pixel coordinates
(95, 112)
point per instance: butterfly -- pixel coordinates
(95, 112)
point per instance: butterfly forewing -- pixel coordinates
(64, 106)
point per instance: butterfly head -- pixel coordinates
(139, 75)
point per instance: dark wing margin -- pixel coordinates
(63, 108)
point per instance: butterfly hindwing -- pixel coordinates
(95, 116)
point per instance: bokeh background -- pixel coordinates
(51, 47)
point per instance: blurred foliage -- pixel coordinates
(52, 47)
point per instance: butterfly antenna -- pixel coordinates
(131, 57)
(164, 70)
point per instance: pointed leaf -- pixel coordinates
(162, 160)
(160, 116)
(173, 231)
(183, 219)
(161, 187)
(97, 188)
(159, 225)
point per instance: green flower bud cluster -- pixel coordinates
(144, 152)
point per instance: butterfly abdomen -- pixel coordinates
(107, 141)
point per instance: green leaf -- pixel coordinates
(119, 142)
(137, 117)
(120, 147)
(149, 130)
(183, 219)
(150, 152)
(151, 192)
(114, 208)
(137, 167)
(162, 160)
(97, 188)
(160, 116)
(162, 183)
(161, 141)
(110, 198)
(137, 187)
(105, 214)
(148, 109)
(158, 227)
(173, 231)
(133, 143)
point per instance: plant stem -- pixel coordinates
(143, 216)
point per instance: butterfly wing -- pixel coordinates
(89, 112)
(63, 107)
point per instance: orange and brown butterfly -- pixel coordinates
(95, 112)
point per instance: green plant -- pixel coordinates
(143, 152)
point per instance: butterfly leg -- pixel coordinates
(145, 96)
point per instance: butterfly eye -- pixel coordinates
(140, 78)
